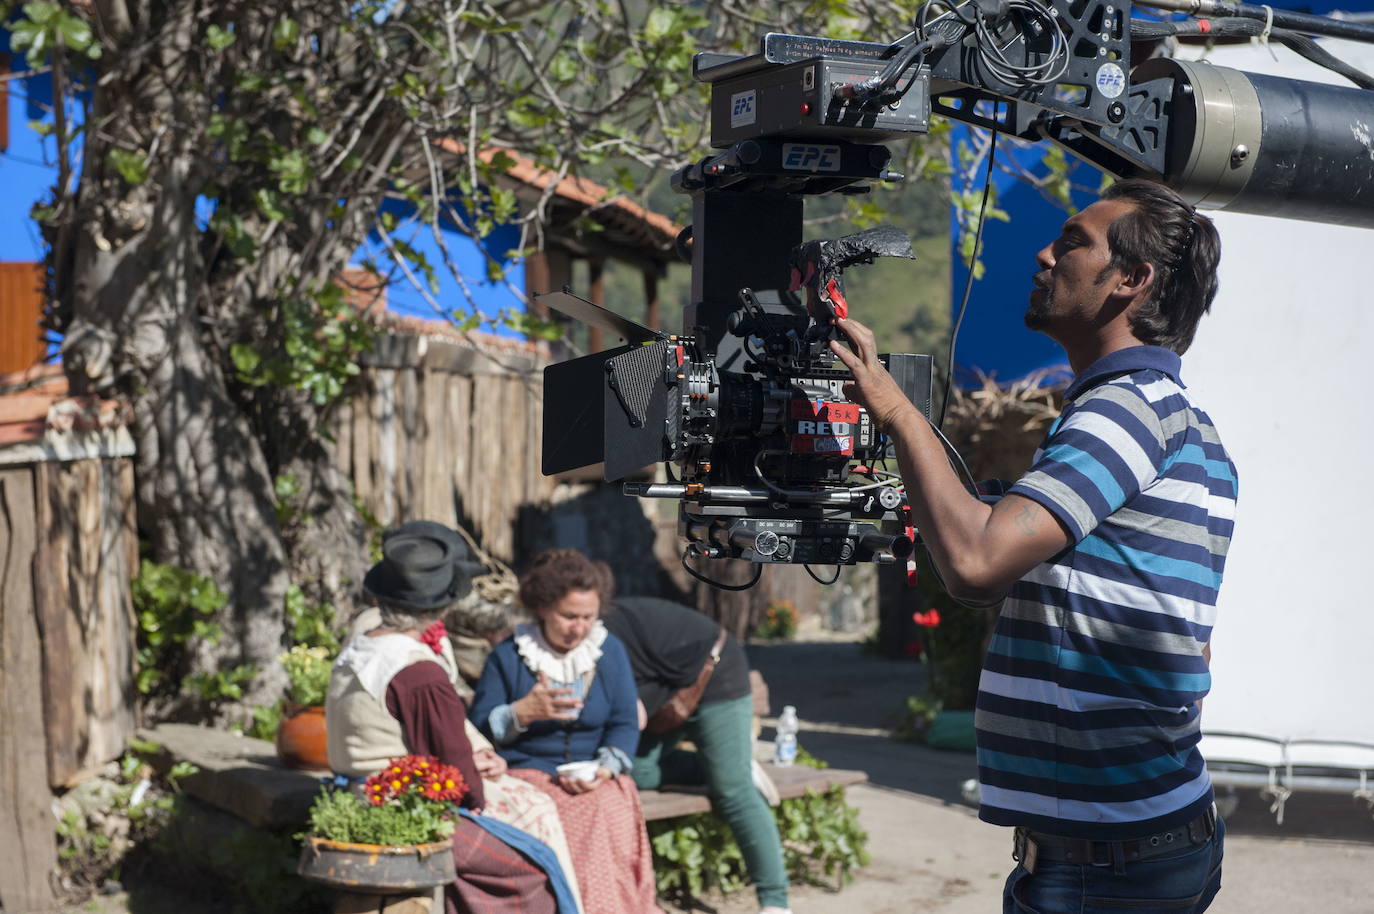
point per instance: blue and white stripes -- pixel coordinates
(1087, 708)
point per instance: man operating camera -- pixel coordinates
(1107, 556)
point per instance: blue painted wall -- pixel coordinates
(470, 259)
(28, 173)
(993, 338)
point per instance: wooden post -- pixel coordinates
(652, 319)
(82, 569)
(596, 289)
(537, 281)
(25, 800)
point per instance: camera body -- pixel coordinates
(771, 462)
(762, 456)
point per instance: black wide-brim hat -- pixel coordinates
(424, 566)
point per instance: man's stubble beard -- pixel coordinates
(1039, 311)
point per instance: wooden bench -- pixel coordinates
(242, 776)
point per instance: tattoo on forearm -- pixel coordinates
(1025, 519)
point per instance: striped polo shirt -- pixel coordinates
(1087, 719)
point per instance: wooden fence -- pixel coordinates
(68, 549)
(449, 432)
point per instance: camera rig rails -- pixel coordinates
(745, 407)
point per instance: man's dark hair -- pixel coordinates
(1181, 244)
(556, 572)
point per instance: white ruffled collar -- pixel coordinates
(375, 661)
(541, 658)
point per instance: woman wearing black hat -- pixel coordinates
(392, 694)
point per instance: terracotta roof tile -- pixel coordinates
(663, 231)
(36, 400)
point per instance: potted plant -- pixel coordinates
(394, 840)
(301, 738)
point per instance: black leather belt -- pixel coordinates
(1030, 847)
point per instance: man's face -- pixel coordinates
(1073, 281)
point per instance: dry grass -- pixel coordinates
(997, 428)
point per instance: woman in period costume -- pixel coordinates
(392, 694)
(561, 691)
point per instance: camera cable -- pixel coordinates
(968, 280)
(758, 573)
(819, 580)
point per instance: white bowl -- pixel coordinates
(580, 771)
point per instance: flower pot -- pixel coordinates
(377, 867)
(301, 741)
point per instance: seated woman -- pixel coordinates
(561, 691)
(391, 693)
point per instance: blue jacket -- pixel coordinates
(608, 718)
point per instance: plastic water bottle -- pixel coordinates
(785, 743)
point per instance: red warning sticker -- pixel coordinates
(825, 410)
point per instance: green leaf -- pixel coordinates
(250, 82)
(76, 32)
(43, 128)
(246, 359)
(132, 167)
(563, 68)
(531, 325)
(269, 204)
(660, 24)
(489, 24)
(284, 33)
(230, 229)
(524, 113)
(218, 38)
(293, 171)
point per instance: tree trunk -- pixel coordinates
(204, 489)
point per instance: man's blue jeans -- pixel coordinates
(1182, 884)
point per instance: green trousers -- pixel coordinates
(722, 733)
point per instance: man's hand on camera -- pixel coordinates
(873, 388)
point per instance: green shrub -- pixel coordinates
(339, 815)
(102, 819)
(822, 843)
(176, 608)
(266, 720)
(312, 624)
(307, 674)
